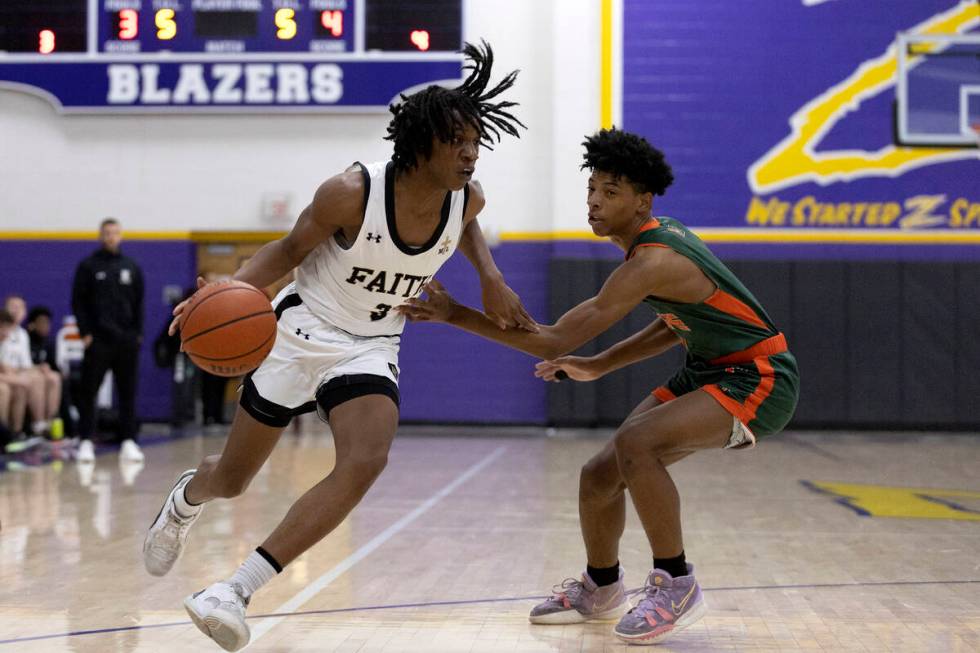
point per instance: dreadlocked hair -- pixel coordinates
(438, 112)
(627, 155)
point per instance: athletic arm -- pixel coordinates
(625, 288)
(651, 341)
(500, 303)
(337, 203)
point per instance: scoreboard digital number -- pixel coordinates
(227, 55)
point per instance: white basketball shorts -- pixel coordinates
(316, 366)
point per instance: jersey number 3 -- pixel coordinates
(380, 313)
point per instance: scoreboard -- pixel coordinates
(227, 55)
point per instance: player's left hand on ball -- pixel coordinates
(503, 306)
(437, 305)
(179, 308)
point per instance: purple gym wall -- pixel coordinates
(42, 271)
(447, 375)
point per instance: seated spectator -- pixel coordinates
(43, 356)
(43, 384)
(5, 433)
(13, 386)
(39, 332)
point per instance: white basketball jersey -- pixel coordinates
(356, 286)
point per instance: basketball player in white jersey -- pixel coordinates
(371, 239)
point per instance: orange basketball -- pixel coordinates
(228, 328)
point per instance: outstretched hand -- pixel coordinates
(437, 306)
(504, 308)
(179, 308)
(568, 367)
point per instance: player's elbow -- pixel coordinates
(290, 252)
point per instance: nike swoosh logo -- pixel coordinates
(607, 603)
(678, 607)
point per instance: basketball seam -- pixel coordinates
(219, 360)
(240, 318)
(217, 292)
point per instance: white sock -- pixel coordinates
(255, 572)
(183, 506)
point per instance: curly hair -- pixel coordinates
(628, 155)
(438, 112)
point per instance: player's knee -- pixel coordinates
(596, 481)
(636, 444)
(366, 468)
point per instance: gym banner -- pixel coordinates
(828, 121)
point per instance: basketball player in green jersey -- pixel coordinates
(739, 383)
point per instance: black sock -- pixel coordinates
(603, 575)
(674, 566)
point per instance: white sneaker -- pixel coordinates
(218, 611)
(165, 540)
(86, 452)
(131, 451)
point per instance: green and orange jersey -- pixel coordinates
(730, 320)
(734, 351)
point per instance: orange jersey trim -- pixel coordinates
(765, 386)
(653, 224)
(633, 251)
(733, 306)
(664, 394)
(746, 412)
(768, 347)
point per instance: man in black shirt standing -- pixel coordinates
(107, 299)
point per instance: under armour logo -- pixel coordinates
(299, 332)
(375, 237)
(444, 245)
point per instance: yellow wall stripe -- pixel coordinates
(777, 236)
(196, 236)
(605, 64)
(708, 234)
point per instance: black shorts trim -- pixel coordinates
(267, 412)
(344, 388)
(289, 301)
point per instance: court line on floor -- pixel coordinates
(365, 550)
(505, 599)
(792, 438)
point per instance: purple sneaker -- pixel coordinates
(578, 601)
(667, 604)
